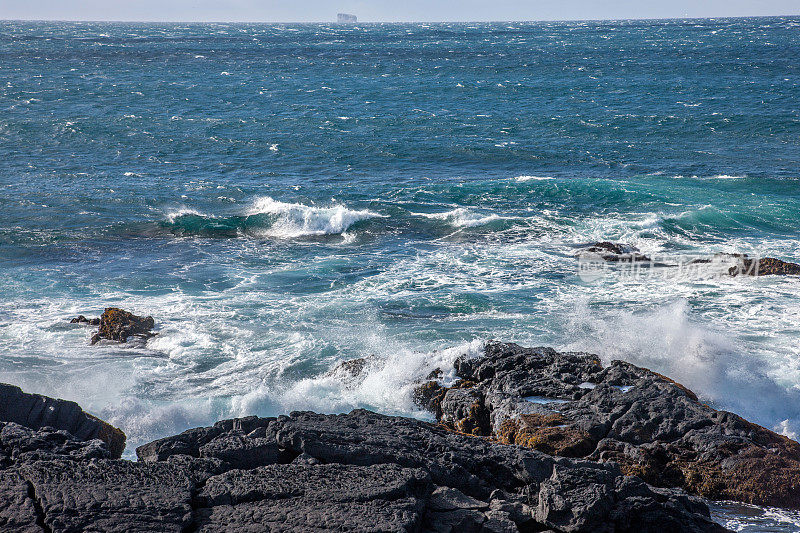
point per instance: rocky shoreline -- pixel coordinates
(734, 264)
(526, 440)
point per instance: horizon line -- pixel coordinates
(142, 21)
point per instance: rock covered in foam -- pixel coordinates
(568, 404)
(613, 252)
(117, 325)
(742, 264)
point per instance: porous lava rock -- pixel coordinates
(569, 404)
(310, 472)
(117, 325)
(36, 411)
(765, 266)
(613, 252)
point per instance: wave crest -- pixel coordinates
(299, 220)
(463, 217)
(266, 218)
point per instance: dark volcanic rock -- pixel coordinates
(108, 495)
(36, 411)
(23, 444)
(83, 320)
(309, 472)
(17, 506)
(766, 266)
(429, 476)
(324, 497)
(740, 264)
(567, 404)
(118, 325)
(614, 252)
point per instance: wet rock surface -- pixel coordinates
(117, 325)
(80, 319)
(735, 263)
(568, 404)
(613, 252)
(766, 266)
(309, 472)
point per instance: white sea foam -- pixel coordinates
(298, 220)
(385, 384)
(707, 359)
(714, 177)
(751, 519)
(533, 178)
(143, 421)
(463, 217)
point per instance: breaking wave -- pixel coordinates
(463, 217)
(298, 220)
(267, 218)
(384, 384)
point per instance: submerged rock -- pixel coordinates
(352, 371)
(360, 472)
(36, 411)
(118, 325)
(83, 320)
(613, 252)
(741, 264)
(568, 404)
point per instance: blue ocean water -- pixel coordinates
(284, 197)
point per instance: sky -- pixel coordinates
(385, 10)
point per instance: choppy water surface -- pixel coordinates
(283, 197)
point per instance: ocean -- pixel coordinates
(283, 197)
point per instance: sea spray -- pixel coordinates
(707, 360)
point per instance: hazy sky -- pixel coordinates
(385, 10)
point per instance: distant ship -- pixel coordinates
(344, 18)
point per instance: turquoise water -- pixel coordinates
(283, 197)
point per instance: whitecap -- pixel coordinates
(298, 220)
(533, 178)
(462, 217)
(180, 212)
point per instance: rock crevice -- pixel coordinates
(37, 507)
